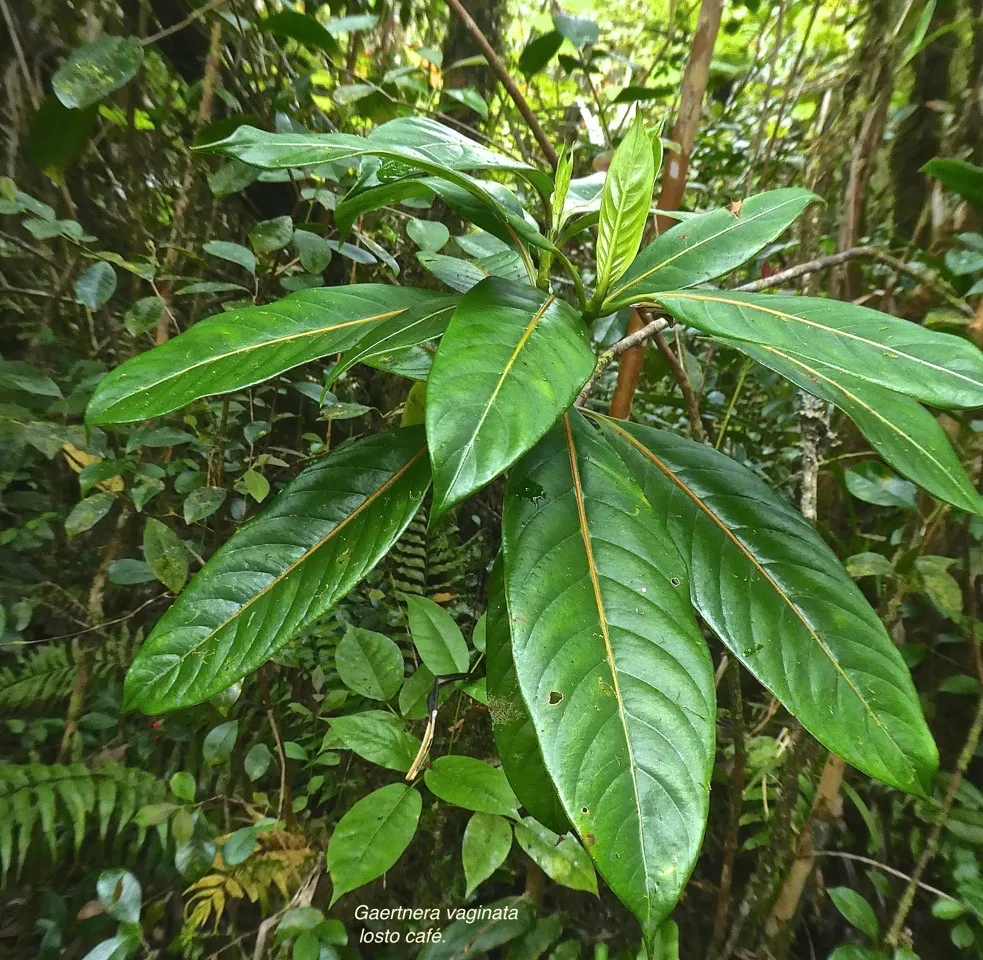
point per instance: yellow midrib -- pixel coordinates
(609, 650)
(754, 562)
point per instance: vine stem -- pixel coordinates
(498, 68)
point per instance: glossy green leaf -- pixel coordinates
(370, 664)
(268, 236)
(625, 202)
(302, 28)
(241, 347)
(407, 144)
(562, 859)
(900, 429)
(87, 513)
(387, 341)
(372, 836)
(96, 285)
(166, 555)
(428, 235)
(708, 246)
(611, 663)
(939, 369)
(512, 360)
(282, 571)
(232, 252)
(438, 639)
(183, 786)
(959, 176)
(200, 504)
(580, 31)
(512, 728)
(144, 315)
(538, 52)
(414, 693)
(95, 70)
(257, 761)
(57, 136)
(313, 251)
(856, 910)
(377, 736)
(777, 596)
(874, 483)
(487, 841)
(219, 741)
(472, 784)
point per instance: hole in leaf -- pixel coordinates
(555, 697)
(674, 581)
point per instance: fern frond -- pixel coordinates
(68, 801)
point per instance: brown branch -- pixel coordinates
(682, 378)
(498, 68)
(633, 339)
(186, 22)
(835, 259)
(891, 870)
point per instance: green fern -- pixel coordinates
(47, 674)
(432, 562)
(68, 801)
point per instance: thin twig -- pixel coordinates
(610, 355)
(883, 866)
(19, 52)
(685, 385)
(835, 259)
(498, 68)
(186, 22)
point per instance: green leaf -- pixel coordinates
(939, 369)
(472, 784)
(372, 836)
(18, 375)
(257, 761)
(166, 555)
(130, 572)
(323, 533)
(471, 938)
(88, 512)
(183, 786)
(385, 340)
(268, 236)
(512, 728)
(241, 347)
(470, 98)
(200, 504)
(144, 315)
(57, 136)
(872, 482)
(233, 252)
(428, 235)
(903, 432)
(370, 664)
(507, 349)
(856, 910)
(563, 860)
(414, 693)
(377, 736)
(939, 585)
(959, 176)
(487, 841)
(438, 639)
(625, 202)
(611, 663)
(314, 251)
(218, 743)
(708, 246)
(95, 70)
(302, 28)
(239, 845)
(868, 565)
(777, 596)
(539, 52)
(580, 31)
(96, 285)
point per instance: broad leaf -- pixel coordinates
(472, 784)
(512, 360)
(708, 246)
(487, 841)
(562, 859)
(771, 589)
(372, 836)
(856, 910)
(959, 176)
(282, 571)
(241, 347)
(625, 202)
(539, 52)
(611, 663)
(407, 329)
(370, 664)
(937, 368)
(900, 429)
(515, 735)
(377, 736)
(874, 483)
(166, 555)
(302, 28)
(438, 639)
(96, 70)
